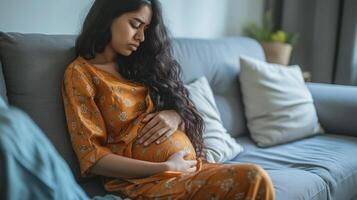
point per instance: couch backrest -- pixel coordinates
(34, 64)
(218, 60)
(2, 85)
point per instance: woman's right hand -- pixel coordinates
(176, 162)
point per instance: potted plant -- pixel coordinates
(277, 45)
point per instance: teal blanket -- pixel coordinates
(30, 167)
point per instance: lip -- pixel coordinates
(134, 46)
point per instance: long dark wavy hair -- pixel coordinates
(152, 64)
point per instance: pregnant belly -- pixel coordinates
(161, 152)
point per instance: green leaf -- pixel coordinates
(265, 33)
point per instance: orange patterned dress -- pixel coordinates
(104, 115)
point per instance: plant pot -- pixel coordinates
(277, 52)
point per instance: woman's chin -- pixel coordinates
(126, 52)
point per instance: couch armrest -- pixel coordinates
(336, 107)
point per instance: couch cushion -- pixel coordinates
(318, 167)
(218, 61)
(278, 106)
(297, 184)
(33, 65)
(219, 145)
(2, 85)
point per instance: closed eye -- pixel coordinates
(136, 26)
(138, 22)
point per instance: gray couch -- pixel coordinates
(320, 167)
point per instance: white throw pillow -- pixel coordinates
(219, 145)
(278, 106)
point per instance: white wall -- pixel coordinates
(43, 16)
(210, 18)
(185, 18)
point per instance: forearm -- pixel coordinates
(118, 166)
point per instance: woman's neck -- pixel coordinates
(107, 57)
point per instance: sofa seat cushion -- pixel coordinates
(318, 167)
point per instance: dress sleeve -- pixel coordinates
(85, 123)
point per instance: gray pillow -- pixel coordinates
(220, 146)
(278, 106)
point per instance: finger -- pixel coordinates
(192, 162)
(149, 117)
(180, 154)
(165, 136)
(143, 137)
(183, 153)
(151, 132)
(193, 169)
(155, 136)
(149, 126)
(187, 152)
(175, 155)
(158, 127)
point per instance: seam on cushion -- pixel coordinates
(323, 189)
(338, 182)
(346, 177)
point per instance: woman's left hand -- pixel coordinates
(160, 126)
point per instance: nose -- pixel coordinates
(140, 35)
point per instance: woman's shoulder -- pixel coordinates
(79, 78)
(77, 66)
(77, 73)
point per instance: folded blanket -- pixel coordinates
(2, 103)
(30, 167)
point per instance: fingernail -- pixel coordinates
(157, 142)
(145, 144)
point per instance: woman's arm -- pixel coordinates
(117, 166)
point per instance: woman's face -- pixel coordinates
(128, 30)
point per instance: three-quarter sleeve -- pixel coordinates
(85, 123)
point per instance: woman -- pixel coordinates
(130, 118)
